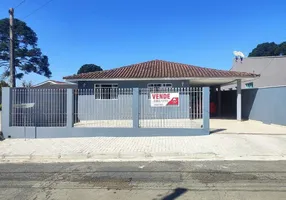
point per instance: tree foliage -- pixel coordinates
(269, 49)
(281, 49)
(89, 68)
(3, 84)
(27, 84)
(28, 57)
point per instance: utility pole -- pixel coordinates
(12, 57)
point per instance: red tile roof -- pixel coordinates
(159, 69)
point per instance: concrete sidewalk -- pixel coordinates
(211, 147)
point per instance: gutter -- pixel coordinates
(148, 79)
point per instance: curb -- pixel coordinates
(131, 157)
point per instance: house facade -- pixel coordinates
(121, 102)
(100, 88)
(102, 95)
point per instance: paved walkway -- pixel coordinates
(216, 125)
(211, 147)
(153, 123)
(245, 127)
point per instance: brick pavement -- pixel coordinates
(212, 147)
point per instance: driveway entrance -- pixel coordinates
(245, 127)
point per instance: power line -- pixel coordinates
(34, 11)
(16, 6)
(269, 63)
(23, 1)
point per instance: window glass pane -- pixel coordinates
(106, 91)
(97, 91)
(106, 86)
(157, 85)
(249, 85)
(113, 93)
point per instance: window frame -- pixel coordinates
(113, 86)
(163, 85)
(157, 89)
(249, 85)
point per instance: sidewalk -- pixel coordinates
(211, 147)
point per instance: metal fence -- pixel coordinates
(103, 107)
(105, 111)
(186, 114)
(38, 107)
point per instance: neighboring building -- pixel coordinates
(52, 84)
(156, 75)
(272, 71)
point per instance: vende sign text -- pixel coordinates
(164, 99)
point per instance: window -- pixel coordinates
(157, 87)
(106, 91)
(249, 85)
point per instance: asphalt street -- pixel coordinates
(145, 180)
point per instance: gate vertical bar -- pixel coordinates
(70, 102)
(206, 108)
(135, 107)
(219, 101)
(238, 100)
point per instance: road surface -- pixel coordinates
(145, 180)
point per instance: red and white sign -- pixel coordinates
(164, 99)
